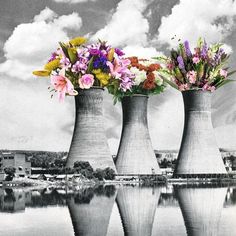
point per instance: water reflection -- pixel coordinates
(168, 210)
(90, 210)
(137, 206)
(168, 219)
(201, 207)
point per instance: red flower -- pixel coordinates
(151, 76)
(134, 60)
(154, 67)
(149, 84)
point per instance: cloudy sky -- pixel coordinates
(30, 30)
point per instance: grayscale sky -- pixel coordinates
(30, 30)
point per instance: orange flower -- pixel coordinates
(151, 76)
(149, 84)
(154, 67)
(133, 59)
(142, 67)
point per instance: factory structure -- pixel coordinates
(17, 159)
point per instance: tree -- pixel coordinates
(80, 165)
(10, 172)
(109, 173)
(99, 174)
(87, 173)
(60, 162)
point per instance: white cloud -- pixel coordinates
(45, 14)
(127, 25)
(142, 52)
(30, 44)
(210, 19)
(31, 119)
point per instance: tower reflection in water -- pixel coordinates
(193, 210)
(91, 209)
(137, 207)
(201, 207)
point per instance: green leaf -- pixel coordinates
(199, 42)
(231, 73)
(215, 47)
(64, 49)
(72, 55)
(90, 65)
(224, 82)
(163, 59)
(172, 84)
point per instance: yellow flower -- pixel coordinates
(41, 73)
(52, 65)
(110, 55)
(103, 78)
(96, 71)
(78, 41)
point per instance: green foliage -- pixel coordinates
(46, 159)
(79, 165)
(72, 55)
(84, 168)
(109, 173)
(10, 172)
(99, 174)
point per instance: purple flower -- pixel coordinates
(204, 51)
(79, 66)
(217, 57)
(65, 62)
(126, 84)
(53, 56)
(119, 52)
(100, 62)
(187, 48)
(94, 51)
(181, 62)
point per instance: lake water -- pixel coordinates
(119, 210)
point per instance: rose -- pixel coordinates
(86, 81)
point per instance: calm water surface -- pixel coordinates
(119, 210)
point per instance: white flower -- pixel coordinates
(145, 62)
(158, 79)
(140, 75)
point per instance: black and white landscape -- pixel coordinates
(30, 30)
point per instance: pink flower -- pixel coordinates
(208, 87)
(196, 59)
(80, 66)
(126, 84)
(183, 87)
(118, 67)
(86, 81)
(170, 66)
(192, 77)
(62, 85)
(65, 62)
(223, 73)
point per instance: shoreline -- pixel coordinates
(29, 183)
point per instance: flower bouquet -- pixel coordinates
(76, 65)
(135, 154)
(81, 69)
(200, 69)
(197, 73)
(143, 79)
